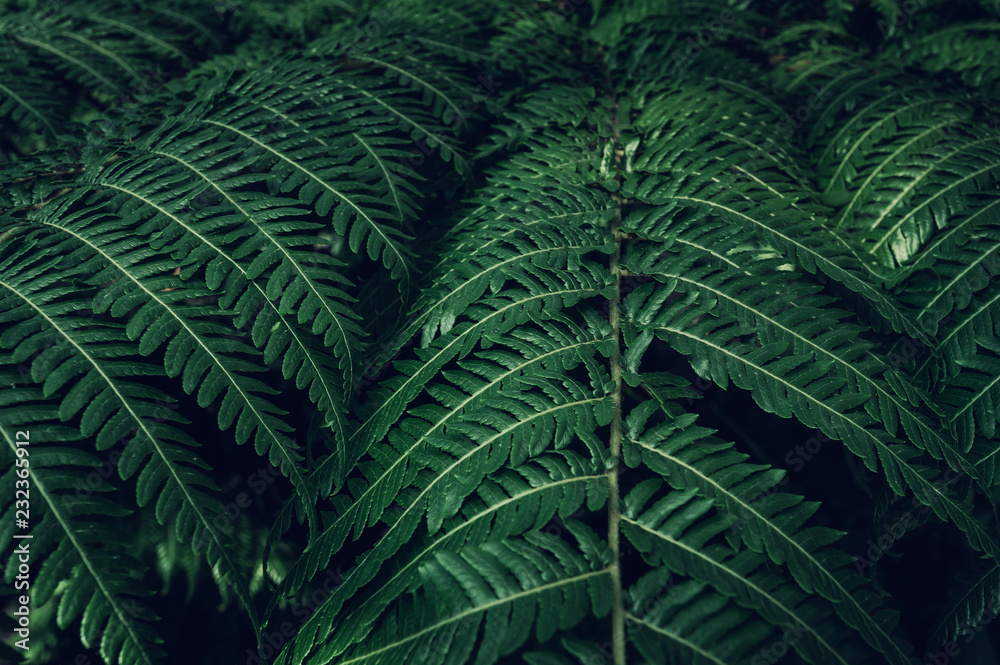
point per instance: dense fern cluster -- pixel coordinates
(449, 268)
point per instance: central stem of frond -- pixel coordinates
(614, 512)
(614, 515)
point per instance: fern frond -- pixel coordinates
(961, 47)
(432, 437)
(114, 53)
(316, 155)
(510, 590)
(783, 309)
(977, 592)
(103, 584)
(75, 358)
(785, 383)
(445, 265)
(508, 503)
(263, 237)
(197, 350)
(690, 458)
(760, 197)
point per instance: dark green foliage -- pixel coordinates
(447, 266)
